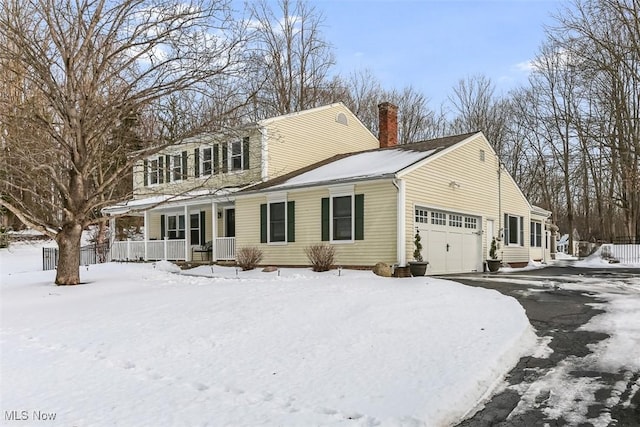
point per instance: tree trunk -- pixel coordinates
(68, 240)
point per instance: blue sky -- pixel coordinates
(431, 44)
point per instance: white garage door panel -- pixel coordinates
(452, 247)
(454, 252)
(435, 253)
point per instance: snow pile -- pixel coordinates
(612, 256)
(167, 266)
(140, 346)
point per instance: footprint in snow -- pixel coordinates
(200, 386)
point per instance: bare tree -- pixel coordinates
(80, 69)
(602, 38)
(293, 54)
(479, 109)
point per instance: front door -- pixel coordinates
(230, 223)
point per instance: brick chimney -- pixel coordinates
(388, 124)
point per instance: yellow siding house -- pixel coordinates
(370, 205)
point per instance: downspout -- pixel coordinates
(501, 235)
(401, 220)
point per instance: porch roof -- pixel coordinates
(134, 206)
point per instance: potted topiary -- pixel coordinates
(418, 267)
(493, 263)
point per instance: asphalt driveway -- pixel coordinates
(607, 399)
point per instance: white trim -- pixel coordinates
(172, 161)
(280, 196)
(264, 149)
(187, 234)
(342, 191)
(401, 238)
(214, 230)
(273, 199)
(146, 234)
(148, 173)
(533, 231)
(201, 174)
(520, 229)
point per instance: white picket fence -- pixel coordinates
(172, 250)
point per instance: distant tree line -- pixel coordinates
(89, 87)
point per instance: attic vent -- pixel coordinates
(342, 119)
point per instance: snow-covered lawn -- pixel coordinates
(137, 345)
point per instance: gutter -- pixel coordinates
(324, 183)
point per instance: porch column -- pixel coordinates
(187, 234)
(146, 235)
(214, 230)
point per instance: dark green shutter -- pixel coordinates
(506, 229)
(359, 217)
(196, 162)
(203, 224)
(291, 221)
(160, 170)
(325, 219)
(167, 162)
(216, 159)
(245, 153)
(145, 166)
(184, 165)
(225, 157)
(162, 227)
(521, 231)
(263, 223)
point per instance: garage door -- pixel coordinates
(451, 241)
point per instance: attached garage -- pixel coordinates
(451, 241)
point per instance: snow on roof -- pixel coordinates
(368, 164)
(149, 202)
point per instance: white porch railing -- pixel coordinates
(226, 248)
(174, 250)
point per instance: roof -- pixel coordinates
(540, 211)
(166, 200)
(359, 166)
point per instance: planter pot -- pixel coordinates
(418, 268)
(493, 265)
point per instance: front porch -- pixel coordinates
(194, 228)
(224, 249)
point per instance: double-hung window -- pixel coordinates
(536, 234)
(207, 161)
(236, 156)
(513, 230)
(176, 167)
(342, 215)
(153, 172)
(277, 220)
(175, 226)
(342, 218)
